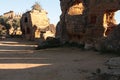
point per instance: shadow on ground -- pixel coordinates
(48, 64)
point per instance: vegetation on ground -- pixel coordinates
(10, 23)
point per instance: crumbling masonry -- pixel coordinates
(86, 21)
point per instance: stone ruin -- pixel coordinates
(112, 42)
(12, 15)
(88, 21)
(35, 24)
(12, 19)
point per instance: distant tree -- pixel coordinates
(37, 6)
(10, 23)
(16, 23)
(2, 30)
(5, 22)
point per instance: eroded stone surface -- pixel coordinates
(85, 21)
(36, 23)
(112, 42)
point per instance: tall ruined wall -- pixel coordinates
(35, 24)
(72, 19)
(39, 19)
(86, 21)
(112, 42)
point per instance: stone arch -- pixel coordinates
(109, 21)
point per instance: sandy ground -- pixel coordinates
(19, 61)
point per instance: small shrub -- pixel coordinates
(49, 43)
(37, 6)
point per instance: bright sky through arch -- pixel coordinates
(117, 17)
(21, 6)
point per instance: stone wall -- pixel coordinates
(112, 41)
(34, 23)
(39, 19)
(12, 15)
(85, 21)
(9, 14)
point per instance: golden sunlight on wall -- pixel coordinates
(109, 22)
(76, 9)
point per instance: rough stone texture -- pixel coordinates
(112, 42)
(34, 23)
(39, 19)
(12, 15)
(85, 21)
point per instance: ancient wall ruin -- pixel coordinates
(9, 14)
(12, 15)
(86, 21)
(12, 22)
(34, 23)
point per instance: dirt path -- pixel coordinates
(19, 61)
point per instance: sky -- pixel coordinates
(51, 6)
(117, 16)
(21, 6)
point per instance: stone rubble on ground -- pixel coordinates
(112, 72)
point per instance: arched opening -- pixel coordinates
(117, 16)
(77, 8)
(109, 21)
(26, 20)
